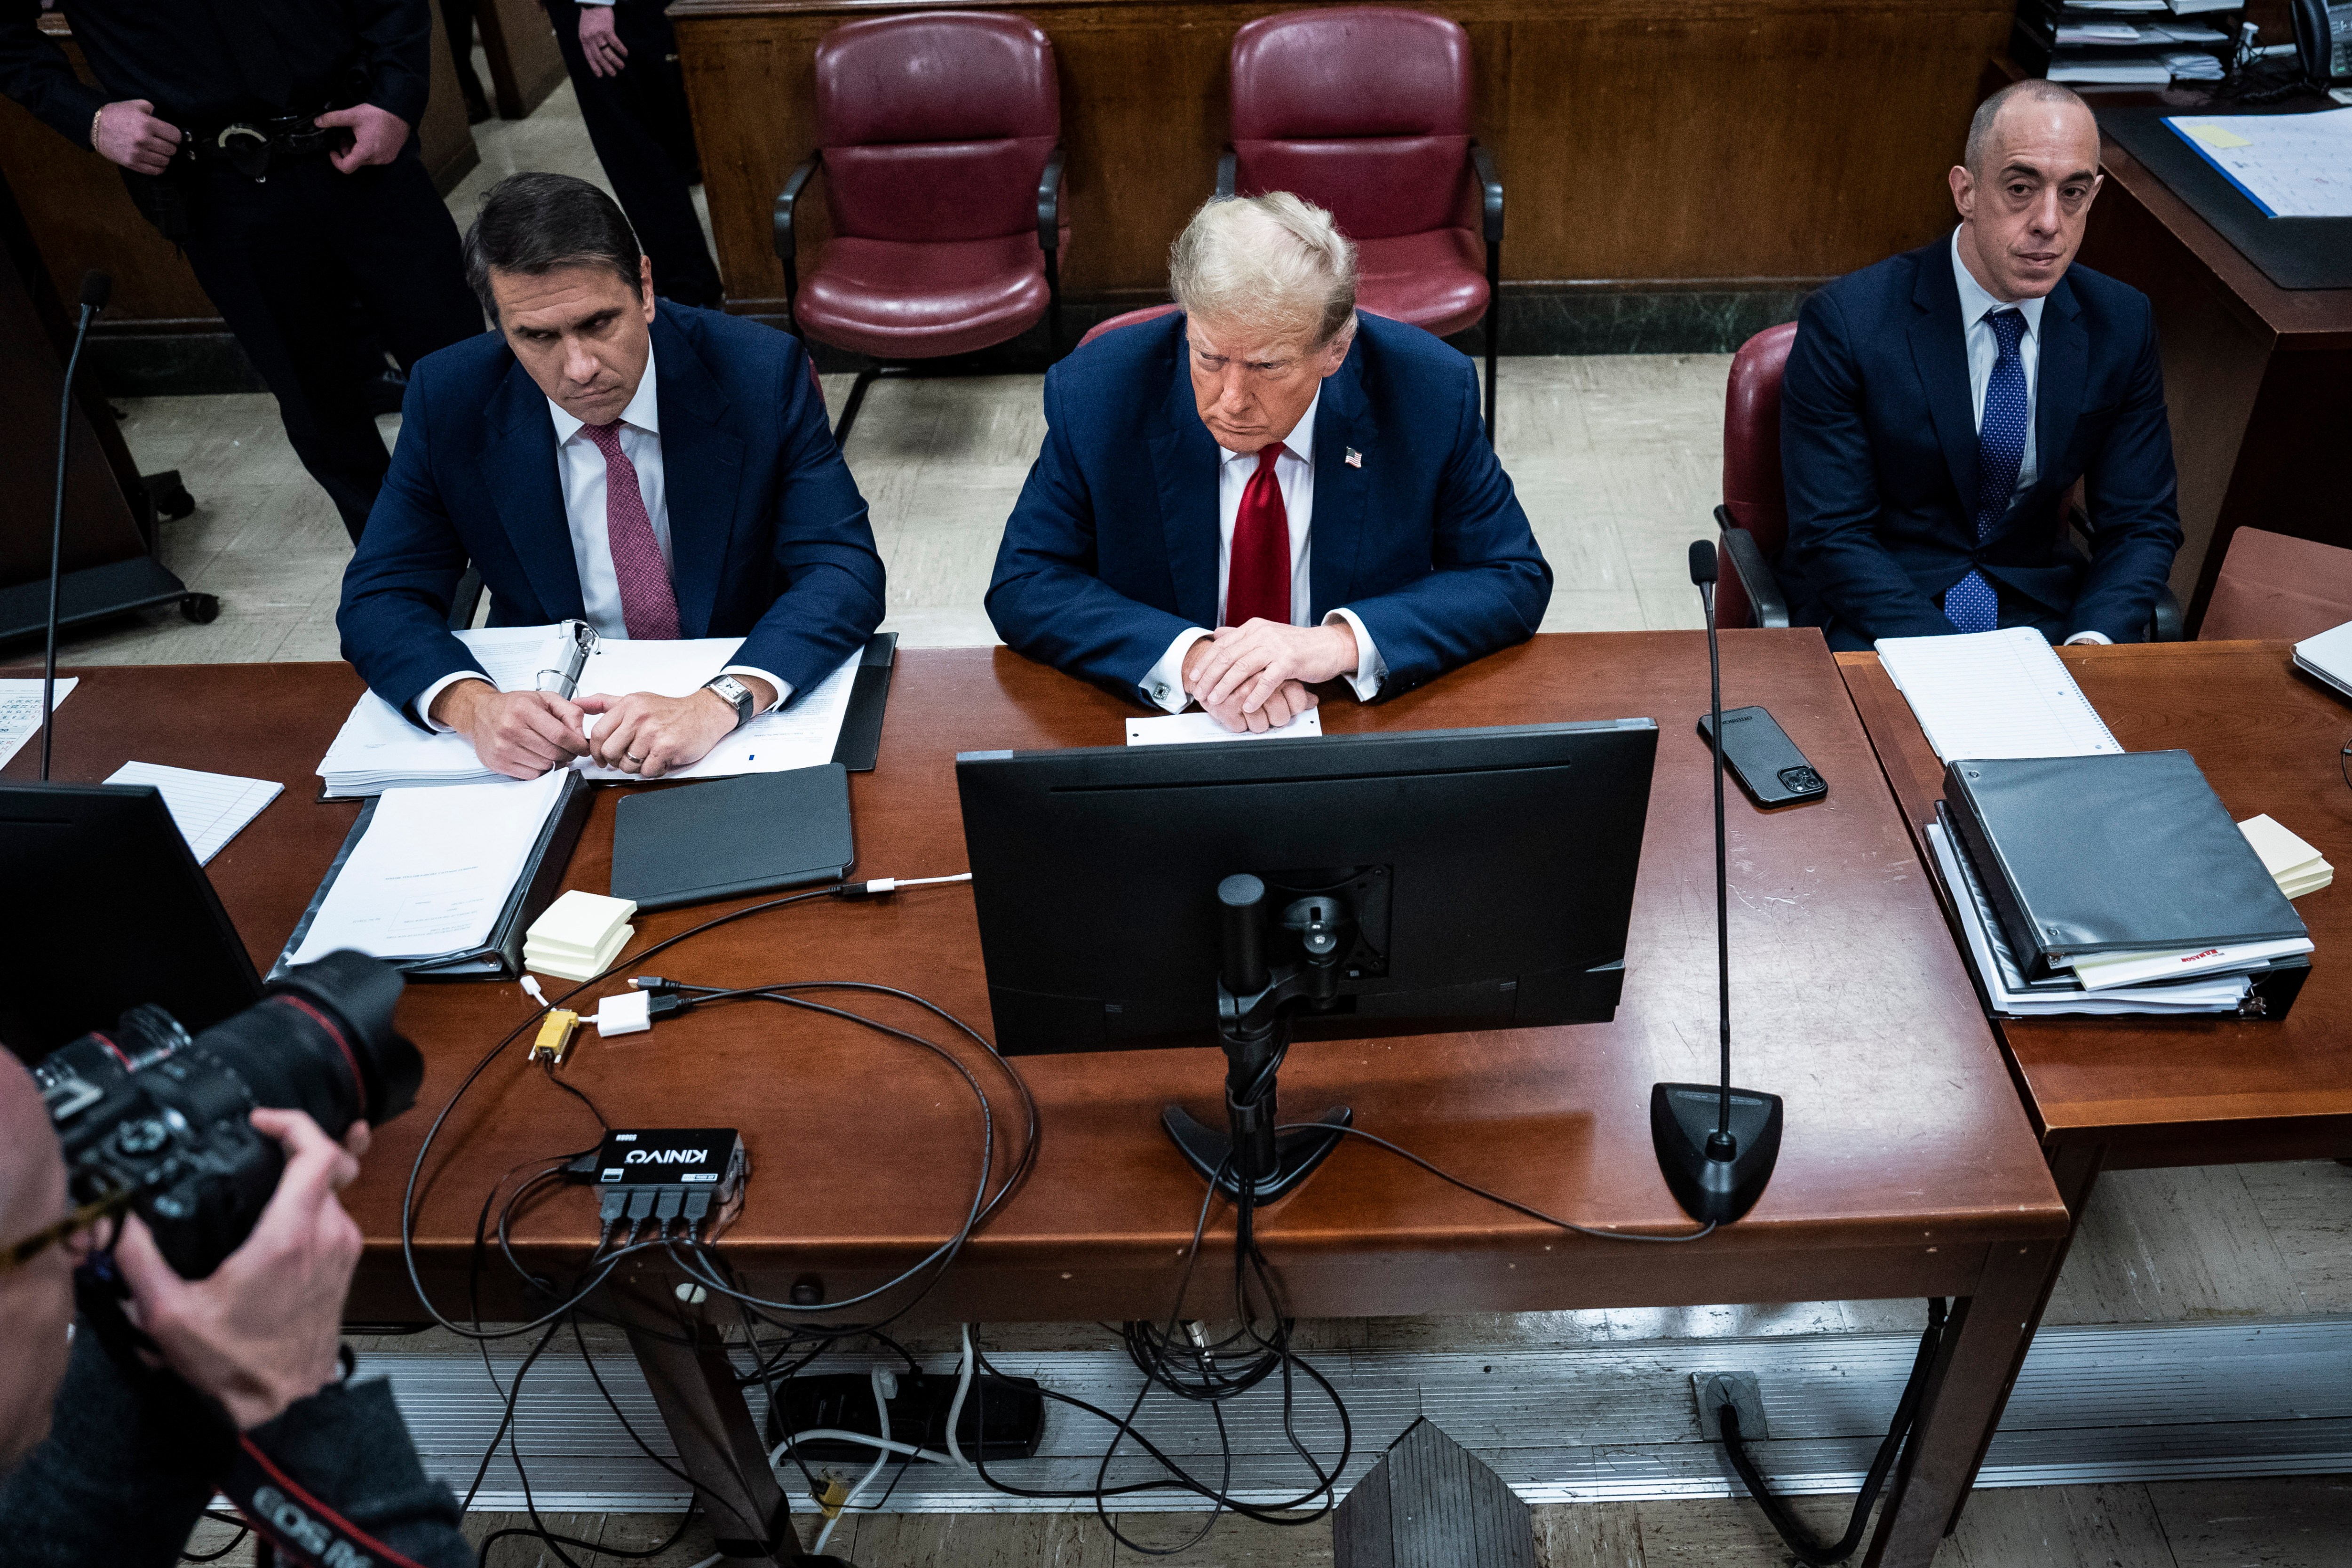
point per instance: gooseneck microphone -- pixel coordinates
(1717, 1145)
(95, 287)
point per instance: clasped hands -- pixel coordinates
(523, 734)
(1256, 676)
(127, 132)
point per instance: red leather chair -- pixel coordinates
(938, 134)
(2272, 585)
(1754, 516)
(1127, 319)
(1365, 111)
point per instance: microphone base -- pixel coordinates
(1683, 1119)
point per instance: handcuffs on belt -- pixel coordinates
(248, 146)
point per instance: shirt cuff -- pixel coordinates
(783, 688)
(1163, 683)
(2098, 638)
(1371, 670)
(433, 693)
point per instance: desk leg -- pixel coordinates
(718, 1444)
(1966, 1389)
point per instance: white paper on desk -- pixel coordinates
(2290, 166)
(1189, 729)
(432, 870)
(801, 734)
(210, 809)
(1995, 694)
(20, 712)
(378, 743)
(2099, 972)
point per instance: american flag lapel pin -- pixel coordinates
(1355, 458)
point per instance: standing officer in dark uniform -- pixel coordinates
(270, 140)
(623, 57)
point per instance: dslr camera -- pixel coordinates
(151, 1114)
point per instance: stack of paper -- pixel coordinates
(2111, 68)
(1995, 694)
(209, 809)
(2198, 7)
(2297, 868)
(2191, 65)
(579, 936)
(430, 876)
(378, 748)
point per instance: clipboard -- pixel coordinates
(500, 958)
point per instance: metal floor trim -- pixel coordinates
(1578, 1423)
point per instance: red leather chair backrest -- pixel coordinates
(1361, 110)
(935, 126)
(1752, 490)
(1127, 319)
(2275, 586)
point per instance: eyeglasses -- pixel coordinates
(18, 1253)
(2343, 761)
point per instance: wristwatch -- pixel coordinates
(735, 694)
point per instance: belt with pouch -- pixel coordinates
(251, 146)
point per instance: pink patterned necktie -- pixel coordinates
(648, 604)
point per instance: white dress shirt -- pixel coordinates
(1294, 470)
(580, 473)
(1984, 352)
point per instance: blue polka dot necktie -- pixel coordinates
(1970, 604)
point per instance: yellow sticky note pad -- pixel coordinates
(2214, 135)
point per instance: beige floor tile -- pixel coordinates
(947, 566)
(942, 626)
(973, 1540)
(1587, 610)
(2165, 1246)
(2060, 1527)
(1235, 1542)
(2303, 1522)
(1588, 1535)
(1727, 1532)
(2307, 1205)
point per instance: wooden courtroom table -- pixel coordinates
(1908, 1168)
(2124, 1094)
(2258, 378)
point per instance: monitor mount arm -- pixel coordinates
(1255, 1001)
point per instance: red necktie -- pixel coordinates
(1257, 584)
(648, 603)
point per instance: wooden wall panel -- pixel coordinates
(1715, 140)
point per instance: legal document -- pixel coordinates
(1189, 729)
(20, 712)
(1995, 694)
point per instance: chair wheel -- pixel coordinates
(202, 609)
(171, 498)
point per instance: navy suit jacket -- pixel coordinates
(768, 540)
(1112, 549)
(1878, 448)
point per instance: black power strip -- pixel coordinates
(1013, 1408)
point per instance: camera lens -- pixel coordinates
(322, 1042)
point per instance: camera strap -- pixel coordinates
(303, 1529)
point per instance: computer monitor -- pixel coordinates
(1403, 883)
(105, 908)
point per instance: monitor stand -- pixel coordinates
(1252, 1004)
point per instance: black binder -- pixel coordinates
(500, 958)
(2111, 853)
(726, 838)
(860, 742)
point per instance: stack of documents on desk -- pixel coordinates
(378, 748)
(2118, 42)
(2296, 866)
(1995, 694)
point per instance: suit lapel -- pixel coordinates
(1184, 464)
(2064, 368)
(702, 475)
(1939, 351)
(518, 467)
(1336, 529)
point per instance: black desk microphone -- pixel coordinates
(1717, 1144)
(95, 287)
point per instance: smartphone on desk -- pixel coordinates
(1761, 756)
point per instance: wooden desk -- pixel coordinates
(2135, 1093)
(2258, 377)
(1908, 1168)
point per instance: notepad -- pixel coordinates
(20, 712)
(1189, 729)
(2297, 868)
(1995, 694)
(210, 809)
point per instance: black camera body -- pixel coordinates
(147, 1110)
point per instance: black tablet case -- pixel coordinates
(860, 742)
(752, 834)
(2110, 853)
(501, 958)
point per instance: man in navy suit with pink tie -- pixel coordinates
(1264, 491)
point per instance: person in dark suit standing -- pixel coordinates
(656, 471)
(1939, 407)
(270, 140)
(623, 57)
(1264, 492)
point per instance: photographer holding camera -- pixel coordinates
(116, 1431)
